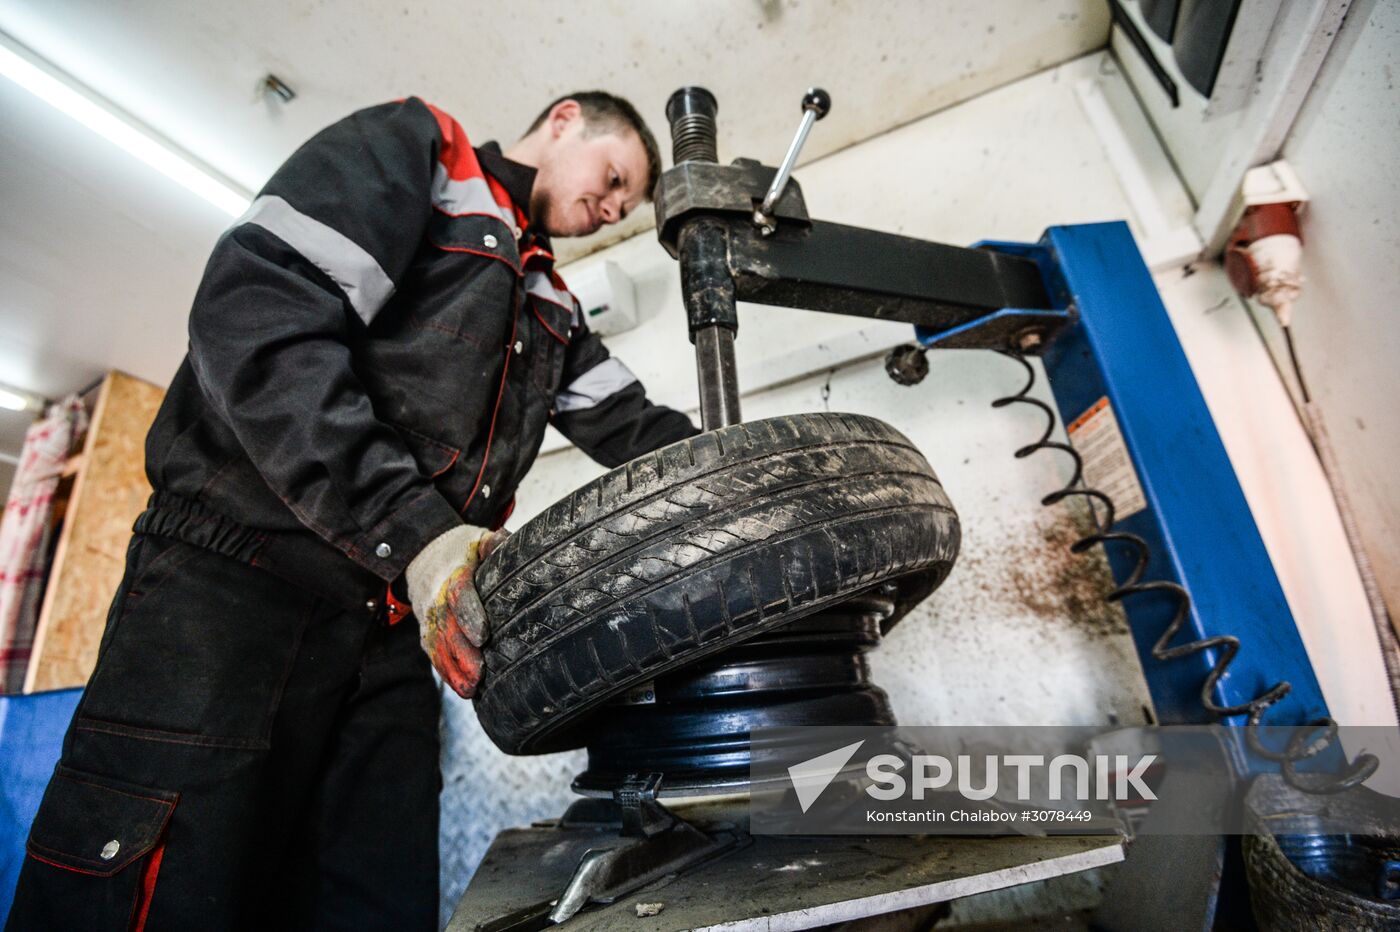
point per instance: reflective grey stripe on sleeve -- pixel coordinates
(467, 196)
(595, 386)
(539, 285)
(362, 279)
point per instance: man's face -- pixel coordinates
(586, 181)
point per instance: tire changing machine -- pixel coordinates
(1083, 301)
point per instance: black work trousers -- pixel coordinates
(247, 755)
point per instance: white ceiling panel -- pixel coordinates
(99, 256)
(191, 69)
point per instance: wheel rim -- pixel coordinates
(694, 725)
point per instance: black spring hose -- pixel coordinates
(1302, 745)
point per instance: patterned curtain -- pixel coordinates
(25, 533)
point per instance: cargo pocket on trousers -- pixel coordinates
(203, 649)
(98, 843)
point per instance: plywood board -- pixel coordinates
(110, 491)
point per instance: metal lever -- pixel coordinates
(816, 103)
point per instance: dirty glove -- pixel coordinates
(451, 619)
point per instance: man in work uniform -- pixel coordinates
(375, 350)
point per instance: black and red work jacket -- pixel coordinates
(377, 346)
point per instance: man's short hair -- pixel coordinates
(608, 113)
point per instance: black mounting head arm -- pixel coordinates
(742, 233)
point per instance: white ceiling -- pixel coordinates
(99, 255)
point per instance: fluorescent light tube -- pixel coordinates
(105, 120)
(12, 401)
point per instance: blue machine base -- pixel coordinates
(31, 736)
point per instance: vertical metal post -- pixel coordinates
(719, 383)
(706, 282)
(708, 289)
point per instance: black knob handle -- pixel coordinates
(817, 100)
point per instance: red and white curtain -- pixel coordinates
(25, 532)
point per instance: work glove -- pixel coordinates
(442, 590)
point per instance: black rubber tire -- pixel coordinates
(692, 549)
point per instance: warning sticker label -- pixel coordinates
(1107, 466)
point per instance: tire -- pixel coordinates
(692, 549)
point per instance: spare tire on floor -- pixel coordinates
(692, 549)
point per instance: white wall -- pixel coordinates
(1017, 634)
(1287, 494)
(1346, 150)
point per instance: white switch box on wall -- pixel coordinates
(606, 294)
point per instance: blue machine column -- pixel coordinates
(1123, 351)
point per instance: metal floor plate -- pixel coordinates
(774, 883)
